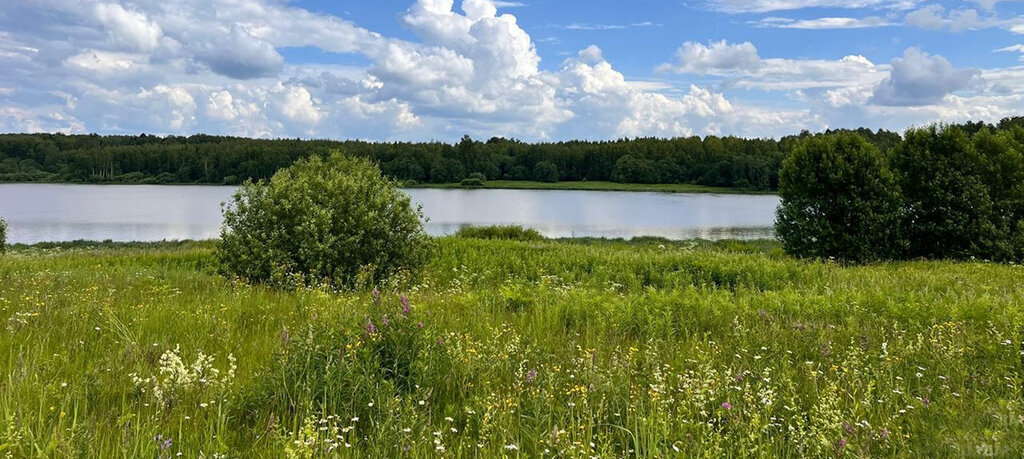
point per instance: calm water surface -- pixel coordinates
(43, 212)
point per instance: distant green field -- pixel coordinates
(595, 186)
(537, 348)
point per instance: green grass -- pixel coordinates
(538, 348)
(595, 186)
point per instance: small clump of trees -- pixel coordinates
(943, 192)
(323, 221)
(3, 236)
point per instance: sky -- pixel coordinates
(536, 70)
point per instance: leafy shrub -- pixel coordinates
(471, 183)
(478, 176)
(333, 220)
(838, 200)
(949, 210)
(508, 233)
(3, 235)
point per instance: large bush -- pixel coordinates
(949, 208)
(839, 200)
(3, 235)
(1004, 176)
(333, 220)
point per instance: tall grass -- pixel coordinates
(539, 348)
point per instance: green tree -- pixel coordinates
(949, 209)
(839, 200)
(447, 170)
(3, 235)
(1004, 177)
(545, 171)
(630, 169)
(333, 220)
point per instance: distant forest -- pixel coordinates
(748, 164)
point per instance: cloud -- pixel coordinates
(105, 63)
(240, 55)
(745, 69)
(587, 26)
(1012, 49)
(935, 17)
(919, 78)
(715, 57)
(128, 29)
(824, 23)
(470, 68)
(765, 6)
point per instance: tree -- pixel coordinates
(630, 169)
(839, 200)
(949, 209)
(1001, 152)
(333, 220)
(447, 170)
(3, 235)
(545, 171)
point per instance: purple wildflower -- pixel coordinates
(841, 443)
(406, 309)
(384, 321)
(726, 405)
(376, 296)
(420, 325)
(161, 443)
(531, 376)
(370, 328)
(885, 433)
(849, 428)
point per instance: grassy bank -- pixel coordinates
(596, 186)
(573, 348)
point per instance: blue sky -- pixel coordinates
(530, 69)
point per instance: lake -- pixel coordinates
(47, 212)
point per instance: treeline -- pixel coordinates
(751, 164)
(943, 192)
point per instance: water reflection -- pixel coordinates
(44, 212)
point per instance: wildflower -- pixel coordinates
(384, 321)
(370, 328)
(726, 406)
(406, 309)
(420, 325)
(512, 447)
(885, 433)
(531, 376)
(376, 296)
(161, 443)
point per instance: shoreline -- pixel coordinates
(502, 185)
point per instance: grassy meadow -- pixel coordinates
(507, 348)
